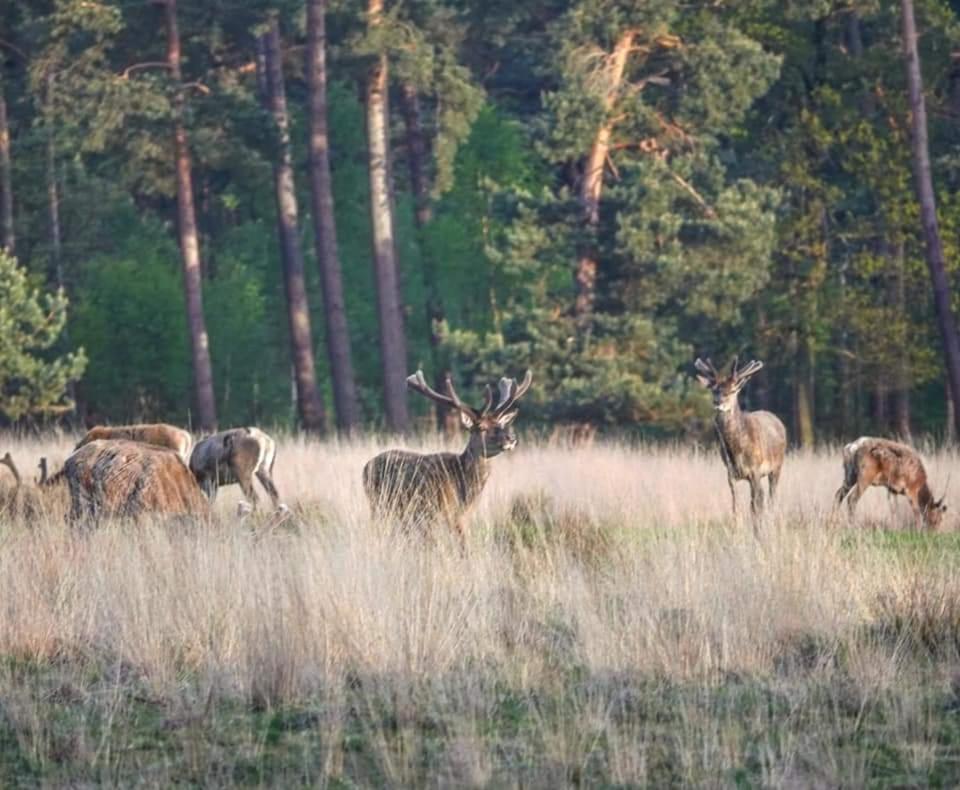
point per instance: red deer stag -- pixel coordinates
(752, 443)
(895, 466)
(159, 434)
(236, 456)
(122, 478)
(422, 489)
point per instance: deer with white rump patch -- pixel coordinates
(895, 466)
(418, 489)
(236, 456)
(752, 443)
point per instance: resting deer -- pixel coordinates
(895, 466)
(752, 443)
(160, 434)
(422, 489)
(236, 456)
(122, 478)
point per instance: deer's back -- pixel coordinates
(887, 463)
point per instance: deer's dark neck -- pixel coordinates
(474, 468)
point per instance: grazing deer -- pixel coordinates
(752, 443)
(127, 479)
(31, 501)
(421, 489)
(160, 434)
(895, 466)
(236, 456)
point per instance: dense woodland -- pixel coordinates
(230, 212)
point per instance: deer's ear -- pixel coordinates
(468, 422)
(704, 381)
(505, 419)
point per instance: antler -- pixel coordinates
(418, 383)
(7, 461)
(748, 371)
(511, 392)
(706, 368)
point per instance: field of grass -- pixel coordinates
(610, 624)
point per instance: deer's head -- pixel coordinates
(491, 427)
(725, 388)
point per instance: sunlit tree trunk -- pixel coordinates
(270, 66)
(904, 382)
(189, 241)
(923, 182)
(324, 225)
(393, 342)
(805, 393)
(591, 188)
(8, 238)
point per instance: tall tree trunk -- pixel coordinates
(447, 419)
(950, 431)
(324, 225)
(928, 208)
(270, 66)
(881, 418)
(591, 188)
(393, 342)
(189, 241)
(901, 394)
(8, 238)
(53, 194)
(805, 393)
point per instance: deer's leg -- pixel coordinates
(756, 495)
(733, 493)
(841, 494)
(246, 485)
(264, 477)
(773, 479)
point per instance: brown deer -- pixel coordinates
(752, 443)
(127, 479)
(236, 456)
(420, 490)
(28, 502)
(160, 434)
(897, 467)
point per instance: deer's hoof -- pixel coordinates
(244, 509)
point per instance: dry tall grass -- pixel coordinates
(610, 622)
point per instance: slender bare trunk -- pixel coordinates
(923, 182)
(270, 66)
(8, 238)
(447, 419)
(324, 225)
(901, 394)
(591, 188)
(189, 241)
(393, 342)
(53, 195)
(805, 393)
(950, 431)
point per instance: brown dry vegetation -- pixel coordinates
(610, 624)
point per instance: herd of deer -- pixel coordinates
(129, 471)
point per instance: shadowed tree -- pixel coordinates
(189, 237)
(923, 183)
(324, 226)
(270, 78)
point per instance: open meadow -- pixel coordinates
(610, 624)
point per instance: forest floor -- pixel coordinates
(611, 623)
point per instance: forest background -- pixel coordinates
(234, 212)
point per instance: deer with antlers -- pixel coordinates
(894, 466)
(752, 443)
(420, 490)
(31, 501)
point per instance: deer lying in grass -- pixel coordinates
(29, 502)
(895, 466)
(127, 479)
(752, 443)
(236, 456)
(159, 434)
(419, 489)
